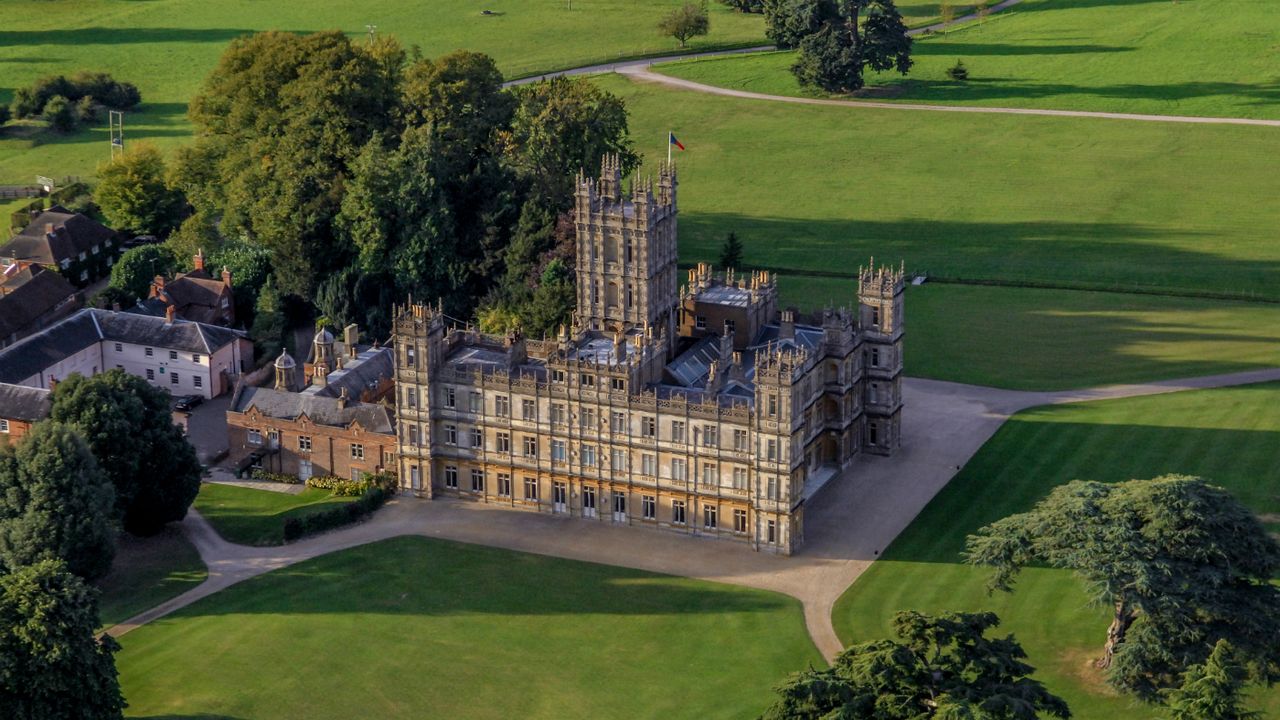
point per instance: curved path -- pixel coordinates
(859, 514)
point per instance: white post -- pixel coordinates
(669, 147)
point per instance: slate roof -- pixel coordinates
(364, 372)
(196, 295)
(30, 295)
(19, 402)
(319, 408)
(73, 233)
(32, 355)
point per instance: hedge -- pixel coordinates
(268, 476)
(335, 517)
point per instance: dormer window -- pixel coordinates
(95, 249)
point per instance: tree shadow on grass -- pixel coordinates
(120, 36)
(966, 49)
(991, 88)
(426, 576)
(1086, 255)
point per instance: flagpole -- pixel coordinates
(668, 147)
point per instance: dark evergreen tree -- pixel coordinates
(731, 251)
(51, 665)
(1182, 563)
(129, 426)
(269, 323)
(1212, 690)
(55, 503)
(943, 667)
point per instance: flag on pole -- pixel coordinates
(674, 141)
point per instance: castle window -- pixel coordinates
(528, 410)
(558, 451)
(531, 489)
(587, 380)
(772, 491)
(648, 507)
(773, 406)
(710, 436)
(557, 376)
(873, 434)
(504, 485)
(677, 512)
(875, 317)
(504, 442)
(557, 414)
(771, 451)
(530, 446)
(739, 478)
(413, 436)
(648, 426)
(709, 474)
(618, 460)
(410, 358)
(357, 451)
(588, 455)
(677, 431)
(588, 419)
(709, 517)
(450, 434)
(740, 521)
(679, 470)
(477, 480)
(700, 322)
(872, 392)
(411, 397)
(502, 406)
(304, 443)
(451, 477)
(875, 357)
(477, 437)
(740, 440)
(618, 422)
(771, 532)
(173, 354)
(648, 464)
(474, 402)
(450, 398)
(618, 384)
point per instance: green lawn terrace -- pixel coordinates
(146, 572)
(249, 516)
(428, 628)
(1048, 339)
(1226, 435)
(167, 47)
(1193, 57)
(1075, 202)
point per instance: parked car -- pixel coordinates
(187, 403)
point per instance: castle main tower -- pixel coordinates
(881, 319)
(626, 251)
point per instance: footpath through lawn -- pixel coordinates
(1227, 435)
(415, 627)
(1156, 57)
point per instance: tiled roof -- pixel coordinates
(320, 409)
(19, 402)
(72, 234)
(28, 296)
(32, 355)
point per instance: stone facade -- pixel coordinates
(702, 409)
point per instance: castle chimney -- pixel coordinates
(170, 312)
(726, 343)
(343, 399)
(351, 338)
(226, 276)
(198, 260)
(787, 328)
(620, 347)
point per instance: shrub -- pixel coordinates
(268, 476)
(60, 114)
(86, 110)
(958, 71)
(317, 522)
(101, 88)
(746, 6)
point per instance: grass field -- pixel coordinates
(146, 572)
(417, 628)
(1194, 57)
(1037, 339)
(256, 517)
(167, 47)
(1081, 202)
(1227, 435)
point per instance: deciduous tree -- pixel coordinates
(943, 667)
(1181, 563)
(688, 20)
(129, 426)
(137, 268)
(134, 196)
(840, 39)
(51, 665)
(55, 503)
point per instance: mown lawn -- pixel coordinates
(1081, 202)
(1228, 435)
(422, 628)
(1038, 339)
(256, 517)
(1195, 57)
(146, 572)
(167, 47)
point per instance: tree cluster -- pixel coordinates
(838, 40)
(943, 667)
(746, 6)
(1181, 564)
(67, 101)
(369, 175)
(135, 196)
